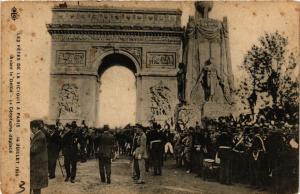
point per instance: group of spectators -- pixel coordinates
(264, 155)
(50, 142)
(260, 153)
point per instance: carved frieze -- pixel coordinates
(117, 17)
(161, 60)
(109, 38)
(74, 58)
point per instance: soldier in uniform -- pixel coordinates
(168, 139)
(105, 151)
(239, 157)
(257, 158)
(70, 145)
(187, 142)
(224, 143)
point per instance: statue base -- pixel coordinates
(215, 110)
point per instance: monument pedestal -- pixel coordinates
(188, 115)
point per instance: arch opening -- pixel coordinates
(116, 101)
(116, 59)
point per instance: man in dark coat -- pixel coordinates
(70, 150)
(83, 133)
(38, 158)
(197, 154)
(225, 143)
(156, 150)
(90, 143)
(106, 144)
(53, 146)
(239, 159)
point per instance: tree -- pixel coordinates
(270, 69)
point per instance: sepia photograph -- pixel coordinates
(141, 97)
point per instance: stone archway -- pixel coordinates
(155, 42)
(106, 61)
(98, 62)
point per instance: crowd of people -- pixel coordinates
(262, 154)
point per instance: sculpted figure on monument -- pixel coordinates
(206, 38)
(210, 79)
(181, 82)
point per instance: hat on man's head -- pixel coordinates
(105, 127)
(68, 126)
(35, 124)
(52, 127)
(138, 125)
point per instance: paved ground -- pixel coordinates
(173, 181)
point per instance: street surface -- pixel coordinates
(173, 181)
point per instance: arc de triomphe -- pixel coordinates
(169, 61)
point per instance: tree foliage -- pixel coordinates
(271, 74)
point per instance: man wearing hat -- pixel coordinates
(105, 152)
(82, 134)
(197, 154)
(70, 146)
(53, 146)
(224, 143)
(140, 153)
(156, 150)
(38, 158)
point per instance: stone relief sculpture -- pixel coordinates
(206, 53)
(160, 100)
(68, 100)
